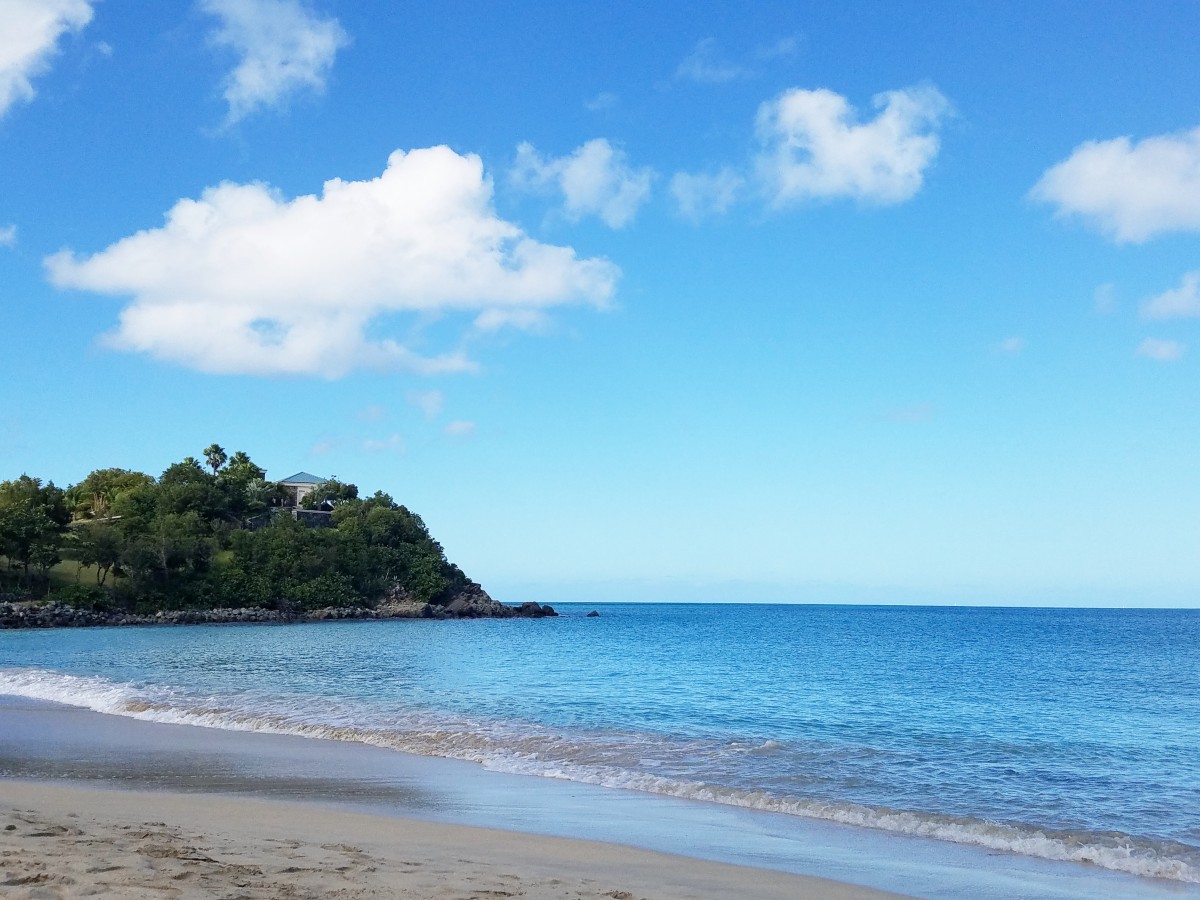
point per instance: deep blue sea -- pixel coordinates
(1065, 734)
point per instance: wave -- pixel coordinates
(612, 760)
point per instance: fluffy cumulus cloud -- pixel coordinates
(283, 49)
(29, 33)
(1130, 191)
(814, 147)
(244, 280)
(698, 196)
(1161, 350)
(594, 180)
(1178, 303)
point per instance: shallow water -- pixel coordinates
(1059, 734)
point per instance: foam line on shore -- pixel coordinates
(612, 763)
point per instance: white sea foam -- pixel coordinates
(614, 763)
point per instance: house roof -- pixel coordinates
(303, 478)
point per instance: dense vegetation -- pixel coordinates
(209, 535)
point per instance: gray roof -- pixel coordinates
(303, 478)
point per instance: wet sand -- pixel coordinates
(106, 805)
(59, 841)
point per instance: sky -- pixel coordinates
(792, 302)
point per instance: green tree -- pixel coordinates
(243, 469)
(33, 518)
(94, 495)
(330, 491)
(99, 545)
(246, 492)
(216, 456)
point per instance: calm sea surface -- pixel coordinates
(1064, 734)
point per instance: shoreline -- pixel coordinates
(27, 616)
(60, 840)
(61, 745)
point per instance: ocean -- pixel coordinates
(1062, 734)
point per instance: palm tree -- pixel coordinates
(216, 456)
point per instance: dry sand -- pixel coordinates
(64, 841)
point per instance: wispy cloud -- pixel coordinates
(700, 195)
(814, 147)
(372, 413)
(283, 49)
(391, 444)
(1161, 350)
(29, 36)
(521, 319)
(782, 49)
(428, 402)
(460, 428)
(1011, 345)
(596, 179)
(244, 280)
(1104, 299)
(705, 65)
(602, 101)
(1182, 302)
(1129, 191)
(8, 235)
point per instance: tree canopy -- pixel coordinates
(219, 535)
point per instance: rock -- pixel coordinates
(472, 602)
(593, 615)
(531, 610)
(406, 609)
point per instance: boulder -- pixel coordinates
(472, 602)
(593, 615)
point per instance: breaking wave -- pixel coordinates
(607, 759)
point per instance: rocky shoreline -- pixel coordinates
(472, 602)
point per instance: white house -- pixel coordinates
(301, 485)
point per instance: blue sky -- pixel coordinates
(876, 303)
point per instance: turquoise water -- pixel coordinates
(1063, 734)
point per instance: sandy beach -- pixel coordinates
(60, 841)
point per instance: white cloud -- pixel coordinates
(1011, 345)
(8, 235)
(1161, 350)
(521, 319)
(1131, 192)
(1178, 303)
(244, 280)
(283, 48)
(700, 195)
(596, 179)
(1104, 299)
(460, 428)
(704, 65)
(30, 32)
(429, 402)
(814, 147)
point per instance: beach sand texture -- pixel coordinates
(64, 841)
